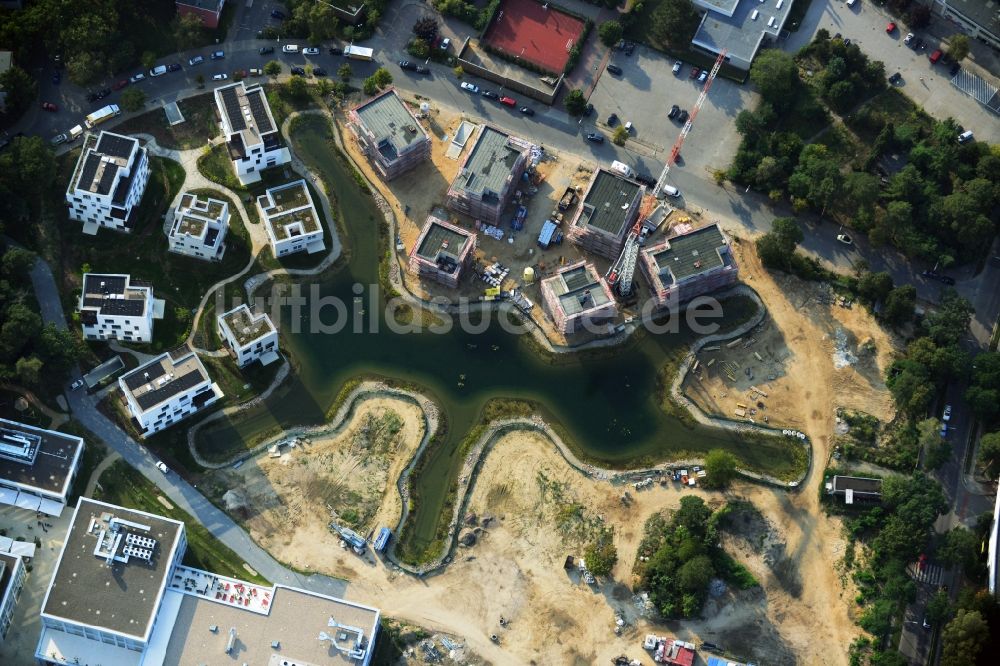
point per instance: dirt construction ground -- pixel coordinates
(531, 510)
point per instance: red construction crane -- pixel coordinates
(622, 272)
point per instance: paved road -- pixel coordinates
(176, 489)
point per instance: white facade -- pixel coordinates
(290, 219)
(13, 566)
(166, 390)
(108, 182)
(113, 306)
(200, 227)
(252, 137)
(37, 467)
(249, 336)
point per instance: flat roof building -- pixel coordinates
(113, 306)
(855, 488)
(200, 227)
(108, 182)
(608, 211)
(252, 136)
(576, 297)
(104, 597)
(12, 575)
(389, 134)
(37, 466)
(442, 251)
(489, 176)
(741, 27)
(688, 265)
(121, 597)
(290, 219)
(250, 337)
(978, 18)
(167, 389)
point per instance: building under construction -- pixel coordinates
(442, 252)
(389, 135)
(609, 209)
(489, 176)
(688, 265)
(577, 296)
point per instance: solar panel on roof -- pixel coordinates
(259, 110)
(107, 178)
(172, 388)
(89, 169)
(96, 283)
(232, 103)
(144, 375)
(115, 145)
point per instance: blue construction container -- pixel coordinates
(382, 540)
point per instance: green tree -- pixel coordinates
(297, 87)
(148, 59)
(874, 287)
(426, 28)
(20, 328)
(369, 86)
(133, 99)
(694, 575)
(817, 177)
(899, 305)
(961, 548)
(777, 246)
(947, 325)
(674, 22)
(964, 638)
(938, 608)
(21, 90)
(344, 72)
(721, 468)
(610, 32)
(419, 48)
(601, 554)
(989, 451)
(16, 262)
(958, 47)
(620, 136)
(575, 103)
(382, 77)
(776, 75)
(322, 22)
(272, 68)
(29, 370)
(188, 31)
(85, 68)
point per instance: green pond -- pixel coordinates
(607, 404)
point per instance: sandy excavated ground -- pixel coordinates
(288, 500)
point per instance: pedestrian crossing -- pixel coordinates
(931, 574)
(978, 89)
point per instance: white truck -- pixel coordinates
(359, 53)
(623, 169)
(101, 115)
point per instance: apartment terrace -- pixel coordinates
(245, 327)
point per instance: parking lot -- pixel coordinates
(644, 93)
(926, 84)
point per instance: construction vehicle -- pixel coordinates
(621, 275)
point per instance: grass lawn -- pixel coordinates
(124, 486)
(198, 127)
(94, 452)
(179, 280)
(889, 106)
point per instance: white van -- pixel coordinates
(671, 191)
(158, 71)
(965, 137)
(851, 3)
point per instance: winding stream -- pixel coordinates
(607, 405)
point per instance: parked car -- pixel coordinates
(940, 277)
(703, 76)
(645, 179)
(527, 110)
(220, 77)
(891, 28)
(118, 85)
(595, 137)
(319, 71)
(218, 55)
(491, 94)
(629, 48)
(695, 71)
(422, 70)
(104, 92)
(935, 56)
(919, 44)
(135, 78)
(276, 14)
(674, 111)
(264, 50)
(612, 120)
(312, 50)
(965, 137)
(58, 139)
(160, 466)
(471, 88)
(676, 69)
(299, 70)
(92, 96)
(445, 44)
(895, 78)
(75, 385)
(908, 39)
(240, 74)
(614, 69)
(290, 48)
(197, 60)
(256, 71)
(588, 110)
(336, 50)
(947, 414)
(158, 71)
(682, 117)
(845, 239)
(174, 67)
(406, 64)
(509, 101)
(49, 106)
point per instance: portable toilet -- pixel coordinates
(529, 275)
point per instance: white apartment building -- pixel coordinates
(37, 467)
(252, 136)
(121, 597)
(290, 219)
(108, 182)
(168, 389)
(200, 227)
(106, 594)
(114, 306)
(250, 337)
(12, 575)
